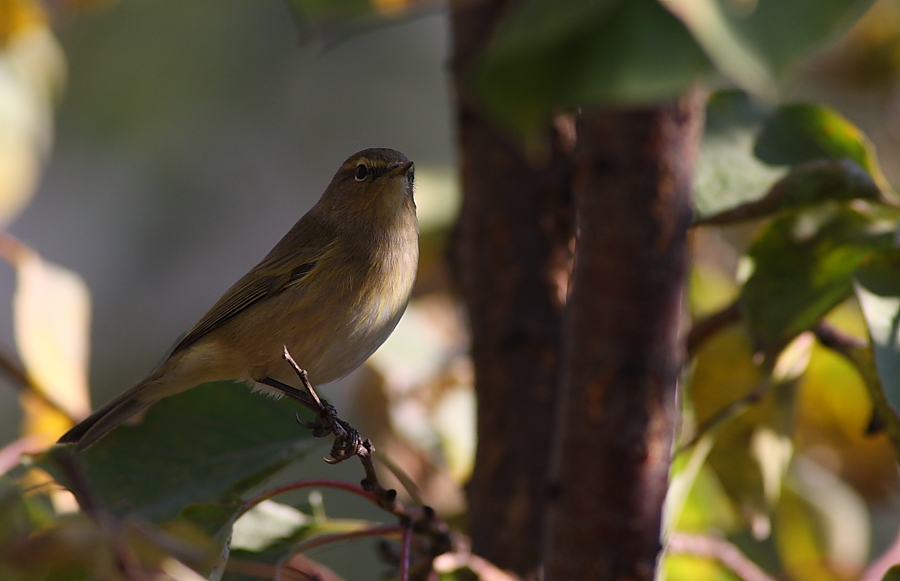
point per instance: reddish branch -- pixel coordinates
(348, 443)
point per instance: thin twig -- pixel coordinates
(321, 540)
(348, 443)
(727, 412)
(401, 476)
(312, 483)
(405, 540)
(708, 326)
(719, 549)
(822, 174)
(836, 340)
(267, 571)
(859, 354)
(24, 384)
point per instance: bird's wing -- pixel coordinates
(277, 271)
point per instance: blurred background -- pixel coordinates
(190, 137)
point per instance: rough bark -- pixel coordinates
(510, 257)
(623, 355)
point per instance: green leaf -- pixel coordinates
(546, 56)
(807, 185)
(747, 146)
(333, 18)
(209, 444)
(802, 266)
(539, 23)
(802, 132)
(893, 574)
(781, 31)
(878, 290)
(753, 42)
(728, 173)
(798, 538)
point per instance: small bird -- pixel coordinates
(331, 292)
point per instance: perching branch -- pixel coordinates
(348, 443)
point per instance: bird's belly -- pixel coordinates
(329, 344)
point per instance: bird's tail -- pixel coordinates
(97, 425)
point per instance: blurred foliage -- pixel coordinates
(32, 73)
(777, 454)
(639, 51)
(783, 398)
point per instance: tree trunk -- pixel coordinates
(510, 255)
(623, 353)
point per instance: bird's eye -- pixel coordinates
(361, 172)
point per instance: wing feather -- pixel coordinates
(292, 259)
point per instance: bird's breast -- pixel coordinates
(372, 300)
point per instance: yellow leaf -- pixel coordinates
(51, 319)
(42, 420)
(32, 73)
(17, 16)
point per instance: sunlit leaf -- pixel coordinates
(800, 541)
(724, 372)
(748, 417)
(707, 506)
(878, 290)
(685, 567)
(269, 533)
(266, 523)
(32, 73)
(18, 17)
(711, 289)
(804, 132)
(801, 267)
(748, 147)
(842, 516)
(51, 310)
(834, 401)
(684, 472)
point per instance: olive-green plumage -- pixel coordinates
(331, 291)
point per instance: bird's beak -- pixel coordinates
(401, 169)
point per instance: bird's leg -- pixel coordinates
(292, 392)
(325, 412)
(304, 378)
(347, 441)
